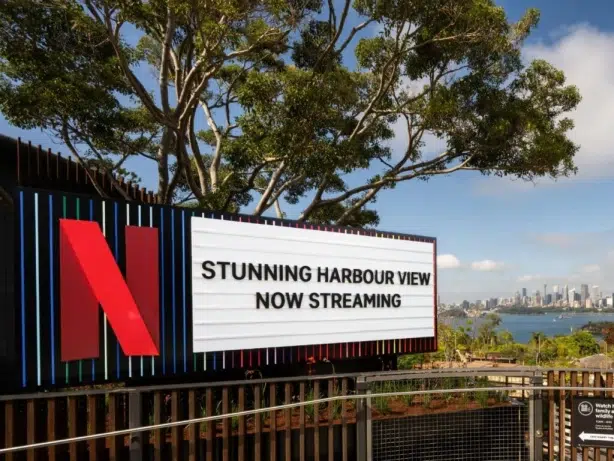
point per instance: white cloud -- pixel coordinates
(530, 278)
(590, 269)
(586, 56)
(555, 239)
(486, 265)
(447, 262)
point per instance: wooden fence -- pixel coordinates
(557, 434)
(330, 430)
(285, 435)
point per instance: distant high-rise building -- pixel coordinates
(524, 292)
(583, 294)
(555, 289)
(571, 296)
(595, 295)
(566, 293)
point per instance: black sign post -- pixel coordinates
(592, 423)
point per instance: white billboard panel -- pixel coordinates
(258, 286)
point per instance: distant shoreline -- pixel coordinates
(551, 310)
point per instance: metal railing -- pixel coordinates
(338, 417)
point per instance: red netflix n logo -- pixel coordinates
(89, 277)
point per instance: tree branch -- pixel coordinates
(354, 31)
(316, 199)
(136, 84)
(250, 183)
(217, 156)
(198, 158)
(164, 65)
(280, 214)
(338, 29)
(92, 178)
(261, 207)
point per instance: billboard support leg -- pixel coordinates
(537, 418)
(361, 420)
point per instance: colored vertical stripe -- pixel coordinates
(139, 224)
(116, 236)
(163, 283)
(66, 365)
(183, 295)
(51, 291)
(105, 327)
(22, 269)
(38, 294)
(93, 360)
(173, 284)
(127, 224)
(153, 359)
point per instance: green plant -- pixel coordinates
(234, 421)
(382, 405)
(310, 410)
(426, 400)
(482, 398)
(407, 399)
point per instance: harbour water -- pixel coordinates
(522, 326)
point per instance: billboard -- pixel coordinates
(257, 287)
(156, 292)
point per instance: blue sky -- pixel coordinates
(497, 236)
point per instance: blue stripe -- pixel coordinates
(185, 331)
(38, 295)
(51, 289)
(162, 291)
(23, 293)
(173, 290)
(91, 219)
(116, 259)
(214, 361)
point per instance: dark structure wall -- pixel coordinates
(23, 164)
(7, 299)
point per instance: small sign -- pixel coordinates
(593, 422)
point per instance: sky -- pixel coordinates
(496, 236)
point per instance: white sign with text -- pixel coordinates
(257, 286)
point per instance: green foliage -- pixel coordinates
(407, 362)
(540, 350)
(253, 100)
(310, 410)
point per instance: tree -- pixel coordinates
(487, 333)
(608, 335)
(254, 101)
(505, 338)
(451, 339)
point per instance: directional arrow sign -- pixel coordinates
(599, 437)
(592, 422)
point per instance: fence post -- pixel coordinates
(537, 418)
(134, 420)
(361, 420)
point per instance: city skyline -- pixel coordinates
(558, 294)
